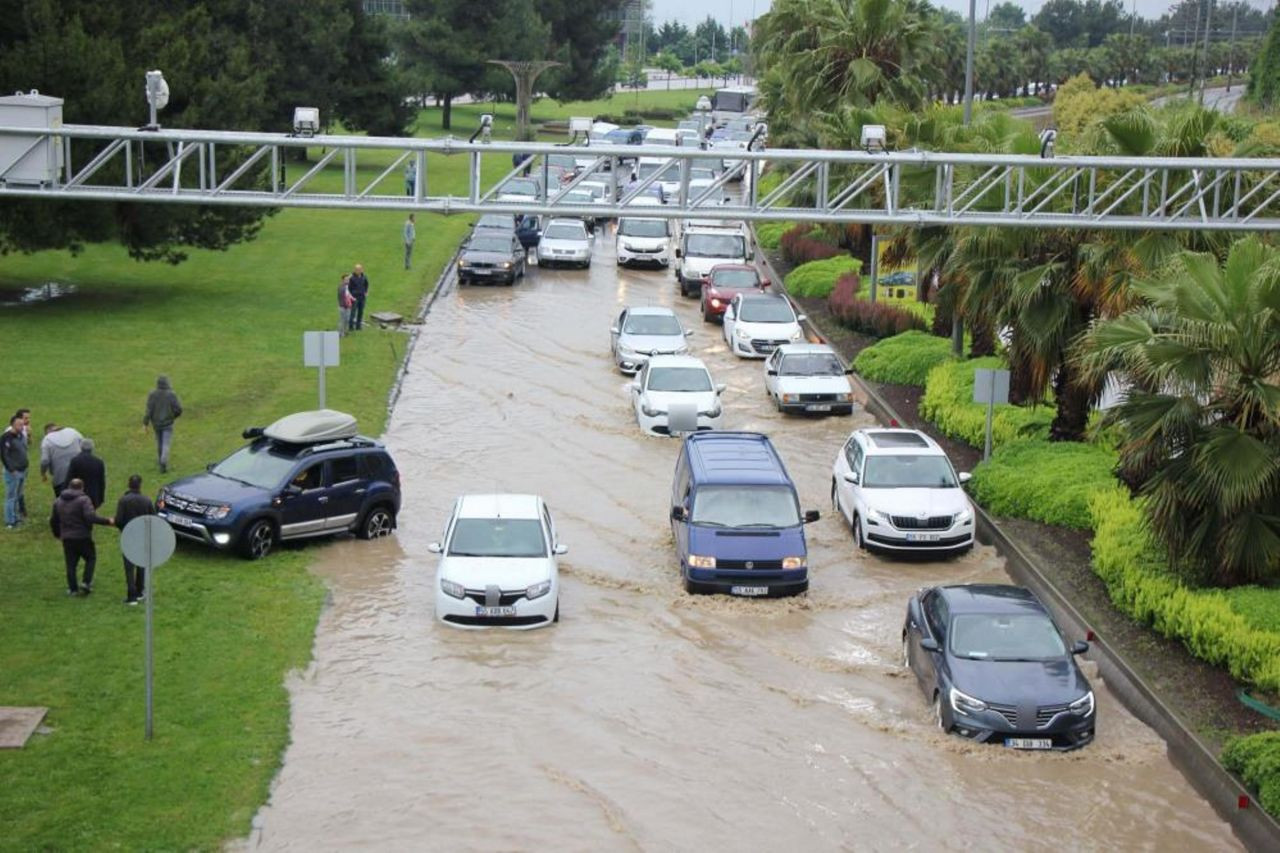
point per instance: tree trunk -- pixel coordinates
(1073, 400)
(447, 113)
(1020, 385)
(982, 339)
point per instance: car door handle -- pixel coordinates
(360, 491)
(324, 499)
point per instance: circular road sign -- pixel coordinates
(147, 541)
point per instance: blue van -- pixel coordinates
(736, 517)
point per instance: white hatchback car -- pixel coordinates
(808, 378)
(899, 493)
(756, 324)
(676, 381)
(498, 564)
(643, 332)
(565, 241)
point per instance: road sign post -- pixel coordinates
(990, 387)
(148, 542)
(320, 349)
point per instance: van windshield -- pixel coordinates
(715, 246)
(746, 506)
(642, 228)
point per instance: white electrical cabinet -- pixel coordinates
(30, 160)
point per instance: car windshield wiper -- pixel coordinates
(767, 524)
(705, 523)
(236, 480)
(466, 554)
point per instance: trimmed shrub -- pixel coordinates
(817, 278)
(1140, 584)
(769, 234)
(904, 359)
(1256, 760)
(1049, 481)
(804, 243)
(1259, 605)
(877, 319)
(948, 403)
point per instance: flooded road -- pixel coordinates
(648, 719)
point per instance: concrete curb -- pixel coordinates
(1233, 802)
(447, 276)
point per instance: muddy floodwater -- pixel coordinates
(649, 719)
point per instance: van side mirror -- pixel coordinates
(771, 372)
(678, 513)
(1079, 647)
(929, 644)
(435, 547)
(811, 516)
(560, 550)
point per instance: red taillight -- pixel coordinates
(1242, 801)
(1090, 636)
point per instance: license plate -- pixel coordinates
(922, 537)
(818, 407)
(179, 520)
(1028, 743)
(481, 272)
(748, 590)
(495, 611)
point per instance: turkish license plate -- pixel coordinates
(495, 611)
(922, 537)
(1028, 743)
(481, 271)
(818, 407)
(179, 520)
(748, 590)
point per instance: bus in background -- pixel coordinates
(732, 102)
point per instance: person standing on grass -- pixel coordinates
(410, 177)
(25, 414)
(163, 408)
(90, 471)
(58, 447)
(359, 286)
(133, 504)
(13, 455)
(345, 301)
(72, 522)
(410, 234)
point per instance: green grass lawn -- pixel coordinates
(227, 327)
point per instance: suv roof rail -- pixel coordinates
(341, 444)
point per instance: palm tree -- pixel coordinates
(1201, 421)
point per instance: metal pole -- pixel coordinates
(991, 407)
(322, 374)
(968, 64)
(149, 589)
(1204, 66)
(1133, 19)
(1231, 51)
(875, 265)
(1195, 36)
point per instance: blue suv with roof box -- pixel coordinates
(306, 475)
(736, 517)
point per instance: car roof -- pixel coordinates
(747, 267)
(725, 457)
(990, 598)
(651, 309)
(675, 361)
(560, 220)
(763, 297)
(499, 506)
(806, 349)
(899, 442)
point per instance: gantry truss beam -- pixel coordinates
(920, 188)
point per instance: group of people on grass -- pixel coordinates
(352, 293)
(79, 480)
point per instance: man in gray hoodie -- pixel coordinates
(59, 446)
(163, 408)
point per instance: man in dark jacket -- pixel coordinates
(13, 456)
(72, 522)
(133, 504)
(90, 471)
(359, 287)
(163, 408)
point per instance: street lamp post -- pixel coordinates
(968, 64)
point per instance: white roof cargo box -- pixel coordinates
(312, 427)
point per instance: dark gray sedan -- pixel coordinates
(491, 256)
(996, 668)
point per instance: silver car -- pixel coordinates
(565, 241)
(643, 332)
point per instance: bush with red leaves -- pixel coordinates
(802, 244)
(879, 319)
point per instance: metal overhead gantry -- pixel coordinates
(921, 188)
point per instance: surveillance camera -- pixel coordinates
(486, 120)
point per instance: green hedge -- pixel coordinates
(1256, 759)
(904, 359)
(1260, 606)
(769, 234)
(948, 403)
(1049, 481)
(1140, 585)
(816, 278)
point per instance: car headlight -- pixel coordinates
(878, 515)
(714, 412)
(627, 247)
(964, 517)
(844, 398)
(791, 398)
(963, 703)
(1082, 706)
(793, 562)
(697, 561)
(538, 590)
(217, 512)
(743, 335)
(716, 303)
(452, 589)
(623, 349)
(650, 412)
(463, 262)
(506, 265)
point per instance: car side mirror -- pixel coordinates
(720, 386)
(965, 476)
(560, 550)
(800, 318)
(292, 491)
(764, 282)
(678, 254)
(771, 372)
(849, 371)
(613, 330)
(435, 548)
(1079, 647)
(929, 644)
(677, 513)
(811, 516)
(851, 477)
(688, 333)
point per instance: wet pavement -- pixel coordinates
(649, 719)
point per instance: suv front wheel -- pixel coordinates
(378, 522)
(258, 539)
